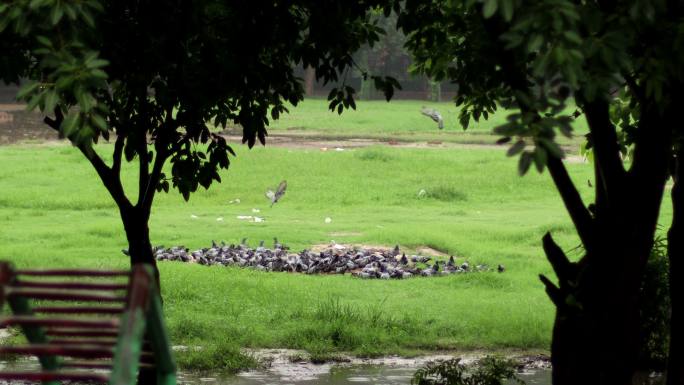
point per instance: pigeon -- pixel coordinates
(434, 115)
(275, 196)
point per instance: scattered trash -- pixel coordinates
(193, 216)
(244, 217)
(258, 219)
(422, 193)
(328, 220)
(256, 210)
(236, 200)
(339, 149)
(324, 148)
(219, 219)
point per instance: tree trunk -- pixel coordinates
(138, 236)
(675, 243)
(309, 81)
(597, 317)
(140, 251)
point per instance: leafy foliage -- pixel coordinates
(490, 370)
(518, 54)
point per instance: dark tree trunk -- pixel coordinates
(675, 242)
(140, 251)
(597, 317)
(309, 81)
(138, 236)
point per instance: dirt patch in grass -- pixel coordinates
(427, 250)
(345, 234)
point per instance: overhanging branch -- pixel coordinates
(580, 215)
(606, 150)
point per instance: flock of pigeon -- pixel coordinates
(335, 259)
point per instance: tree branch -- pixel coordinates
(580, 215)
(144, 172)
(118, 151)
(606, 150)
(111, 180)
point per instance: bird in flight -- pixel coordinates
(279, 192)
(434, 115)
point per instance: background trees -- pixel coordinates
(621, 62)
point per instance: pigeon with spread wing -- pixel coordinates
(434, 115)
(274, 196)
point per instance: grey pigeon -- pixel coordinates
(279, 192)
(434, 115)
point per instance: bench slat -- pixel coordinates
(59, 322)
(90, 351)
(54, 376)
(64, 295)
(73, 273)
(78, 309)
(71, 285)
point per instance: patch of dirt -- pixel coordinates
(420, 250)
(325, 246)
(426, 250)
(18, 125)
(345, 234)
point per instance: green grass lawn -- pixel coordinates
(54, 212)
(398, 120)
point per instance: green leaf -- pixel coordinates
(99, 122)
(51, 99)
(516, 148)
(540, 158)
(69, 125)
(507, 9)
(552, 147)
(27, 89)
(535, 43)
(489, 8)
(56, 14)
(44, 40)
(524, 163)
(572, 37)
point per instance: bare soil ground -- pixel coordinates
(17, 126)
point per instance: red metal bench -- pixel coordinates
(87, 325)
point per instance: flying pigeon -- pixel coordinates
(434, 115)
(275, 196)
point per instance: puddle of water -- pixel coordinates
(310, 374)
(340, 375)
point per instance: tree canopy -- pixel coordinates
(157, 78)
(622, 63)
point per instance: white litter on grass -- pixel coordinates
(250, 218)
(422, 193)
(324, 148)
(236, 200)
(193, 216)
(256, 210)
(328, 220)
(339, 149)
(219, 219)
